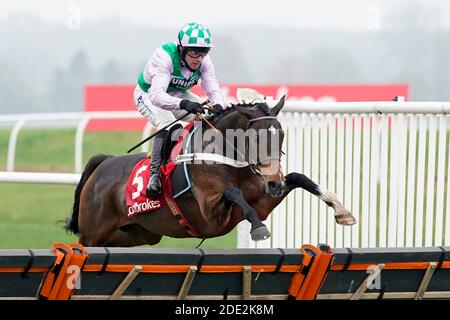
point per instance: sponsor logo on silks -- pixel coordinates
(178, 82)
(143, 206)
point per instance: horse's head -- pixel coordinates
(267, 135)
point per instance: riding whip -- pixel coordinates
(164, 128)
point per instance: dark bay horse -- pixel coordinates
(221, 195)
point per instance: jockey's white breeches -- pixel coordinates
(158, 116)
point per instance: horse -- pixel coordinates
(221, 195)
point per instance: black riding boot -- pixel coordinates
(154, 183)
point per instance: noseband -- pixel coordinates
(254, 166)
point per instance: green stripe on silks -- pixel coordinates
(178, 82)
(142, 83)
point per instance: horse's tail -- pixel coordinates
(93, 163)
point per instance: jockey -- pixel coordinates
(162, 93)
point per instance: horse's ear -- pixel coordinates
(245, 110)
(276, 109)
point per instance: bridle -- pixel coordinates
(254, 165)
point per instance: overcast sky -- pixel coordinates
(318, 14)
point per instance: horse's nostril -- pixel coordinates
(273, 186)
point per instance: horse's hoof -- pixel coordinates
(345, 218)
(261, 233)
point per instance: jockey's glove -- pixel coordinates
(191, 107)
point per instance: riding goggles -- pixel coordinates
(197, 52)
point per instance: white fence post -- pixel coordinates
(12, 144)
(79, 144)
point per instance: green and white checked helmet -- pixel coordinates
(195, 35)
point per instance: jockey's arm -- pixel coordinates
(210, 84)
(160, 68)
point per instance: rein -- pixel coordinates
(253, 166)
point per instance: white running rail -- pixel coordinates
(388, 162)
(81, 119)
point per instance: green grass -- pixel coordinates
(54, 150)
(29, 212)
(28, 215)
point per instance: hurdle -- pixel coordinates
(388, 273)
(73, 272)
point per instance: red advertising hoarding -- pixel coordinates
(120, 98)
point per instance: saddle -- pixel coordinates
(173, 146)
(170, 141)
(174, 178)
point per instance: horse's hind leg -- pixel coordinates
(95, 239)
(132, 235)
(258, 230)
(341, 214)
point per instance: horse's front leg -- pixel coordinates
(341, 214)
(258, 230)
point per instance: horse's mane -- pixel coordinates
(260, 105)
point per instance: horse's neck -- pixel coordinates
(231, 121)
(234, 120)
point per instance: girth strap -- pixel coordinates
(181, 219)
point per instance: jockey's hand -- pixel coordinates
(217, 109)
(191, 107)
